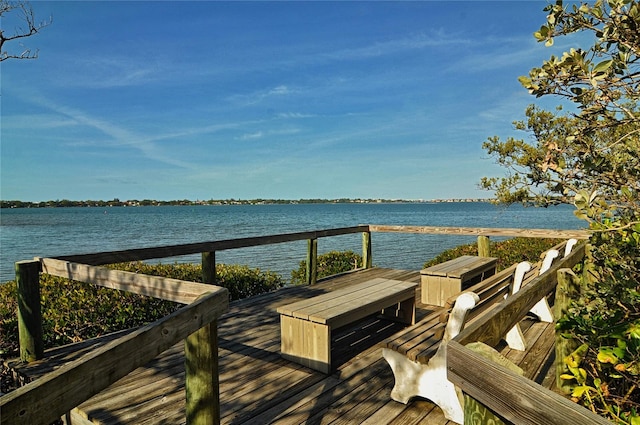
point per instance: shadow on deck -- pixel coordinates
(257, 386)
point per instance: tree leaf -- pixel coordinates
(602, 66)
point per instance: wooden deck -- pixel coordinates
(260, 387)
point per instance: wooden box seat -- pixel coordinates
(306, 325)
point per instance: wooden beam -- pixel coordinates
(29, 311)
(485, 231)
(154, 286)
(202, 384)
(51, 396)
(484, 248)
(111, 257)
(514, 397)
(367, 261)
(209, 267)
(568, 289)
(312, 261)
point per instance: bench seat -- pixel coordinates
(306, 325)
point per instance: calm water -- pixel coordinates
(25, 233)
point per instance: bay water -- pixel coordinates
(29, 232)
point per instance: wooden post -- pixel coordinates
(366, 250)
(209, 267)
(201, 380)
(312, 261)
(29, 311)
(484, 249)
(568, 289)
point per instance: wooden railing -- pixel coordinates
(511, 396)
(51, 396)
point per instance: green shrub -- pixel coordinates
(507, 252)
(605, 322)
(333, 262)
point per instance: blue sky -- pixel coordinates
(217, 100)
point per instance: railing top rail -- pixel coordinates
(110, 257)
(139, 254)
(175, 290)
(484, 231)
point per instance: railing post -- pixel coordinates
(202, 384)
(209, 267)
(568, 289)
(312, 261)
(367, 261)
(484, 249)
(29, 311)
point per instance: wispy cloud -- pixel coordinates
(394, 46)
(252, 136)
(42, 121)
(103, 72)
(262, 95)
(119, 136)
(294, 115)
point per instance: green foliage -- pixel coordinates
(507, 252)
(330, 263)
(590, 158)
(8, 318)
(74, 311)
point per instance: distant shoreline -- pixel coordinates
(150, 202)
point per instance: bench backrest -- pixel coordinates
(490, 291)
(496, 288)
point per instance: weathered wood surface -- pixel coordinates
(306, 326)
(444, 280)
(340, 307)
(483, 231)
(518, 400)
(154, 286)
(568, 289)
(111, 257)
(257, 386)
(29, 310)
(49, 397)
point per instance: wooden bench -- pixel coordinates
(441, 281)
(306, 325)
(417, 354)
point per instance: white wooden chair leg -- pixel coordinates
(548, 259)
(515, 338)
(569, 246)
(413, 379)
(542, 309)
(430, 380)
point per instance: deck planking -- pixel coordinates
(257, 386)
